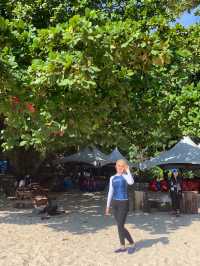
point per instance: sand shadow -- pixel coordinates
(85, 214)
(161, 223)
(147, 243)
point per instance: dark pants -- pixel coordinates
(176, 200)
(120, 211)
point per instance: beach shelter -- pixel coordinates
(116, 155)
(184, 154)
(91, 156)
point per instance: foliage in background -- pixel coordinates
(154, 173)
(112, 73)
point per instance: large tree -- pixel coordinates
(107, 72)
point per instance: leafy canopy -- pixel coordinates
(104, 72)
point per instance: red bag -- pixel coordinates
(153, 186)
(164, 186)
(184, 185)
(191, 185)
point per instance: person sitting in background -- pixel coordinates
(47, 207)
(21, 183)
(20, 189)
(27, 180)
(175, 186)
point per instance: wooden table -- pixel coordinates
(190, 202)
(148, 200)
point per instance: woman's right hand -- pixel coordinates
(107, 212)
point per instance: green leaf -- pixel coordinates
(184, 52)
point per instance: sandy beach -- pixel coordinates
(85, 237)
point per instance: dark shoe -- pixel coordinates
(120, 250)
(131, 250)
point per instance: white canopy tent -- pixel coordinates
(184, 152)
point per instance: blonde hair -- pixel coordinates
(121, 161)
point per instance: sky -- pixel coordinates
(187, 19)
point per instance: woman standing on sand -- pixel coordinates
(118, 194)
(175, 191)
